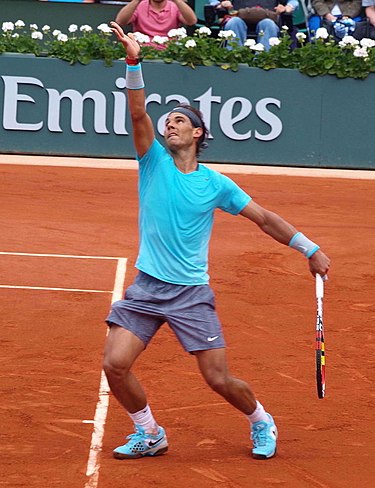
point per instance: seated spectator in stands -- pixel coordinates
(264, 29)
(369, 6)
(156, 17)
(338, 16)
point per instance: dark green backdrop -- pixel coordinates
(323, 122)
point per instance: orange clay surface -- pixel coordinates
(52, 341)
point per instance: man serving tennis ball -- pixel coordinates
(178, 197)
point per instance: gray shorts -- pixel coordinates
(188, 310)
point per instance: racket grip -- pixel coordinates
(319, 285)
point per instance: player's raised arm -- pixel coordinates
(278, 228)
(143, 130)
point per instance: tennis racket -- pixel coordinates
(320, 353)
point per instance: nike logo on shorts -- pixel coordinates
(210, 339)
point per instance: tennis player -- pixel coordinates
(178, 197)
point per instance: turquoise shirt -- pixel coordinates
(177, 214)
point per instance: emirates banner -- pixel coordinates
(277, 117)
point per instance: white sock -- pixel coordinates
(145, 419)
(258, 414)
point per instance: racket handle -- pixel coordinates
(319, 285)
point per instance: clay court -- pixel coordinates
(53, 332)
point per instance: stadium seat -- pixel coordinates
(206, 15)
(209, 16)
(301, 16)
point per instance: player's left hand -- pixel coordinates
(129, 42)
(319, 263)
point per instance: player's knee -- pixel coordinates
(217, 382)
(114, 366)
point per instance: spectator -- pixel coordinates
(338, 16)
(156, 17)
(369, 6)
(264, 29)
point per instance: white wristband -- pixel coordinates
(301, 243)
(134, 78)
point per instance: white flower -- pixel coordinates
(34, 27)
(284, 27)
(8, 26)
(227, 34)
(15, 35)
(301, 36)
(46, 28)
(56, 33)
(85, 28)
(365, 42)
(190, 43)
(160, 39)
(250, 42)
(141, 38)
(173, 33)
(105, 29)
(37, 35)
(360, 52)
(351, 40)
(204, 31)
(62, 37)
(19, 24)
(180, 33)
(348, 41)
(274, 41)
(321, 33)
(73, 28)
(257, 47)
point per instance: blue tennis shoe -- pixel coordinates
(142, 444)
(264, 436)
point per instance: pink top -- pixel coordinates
(152, 23)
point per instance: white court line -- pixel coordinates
(71, 256)
(68, 256)
(93, 464)
(82, 290)
(251, 169)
